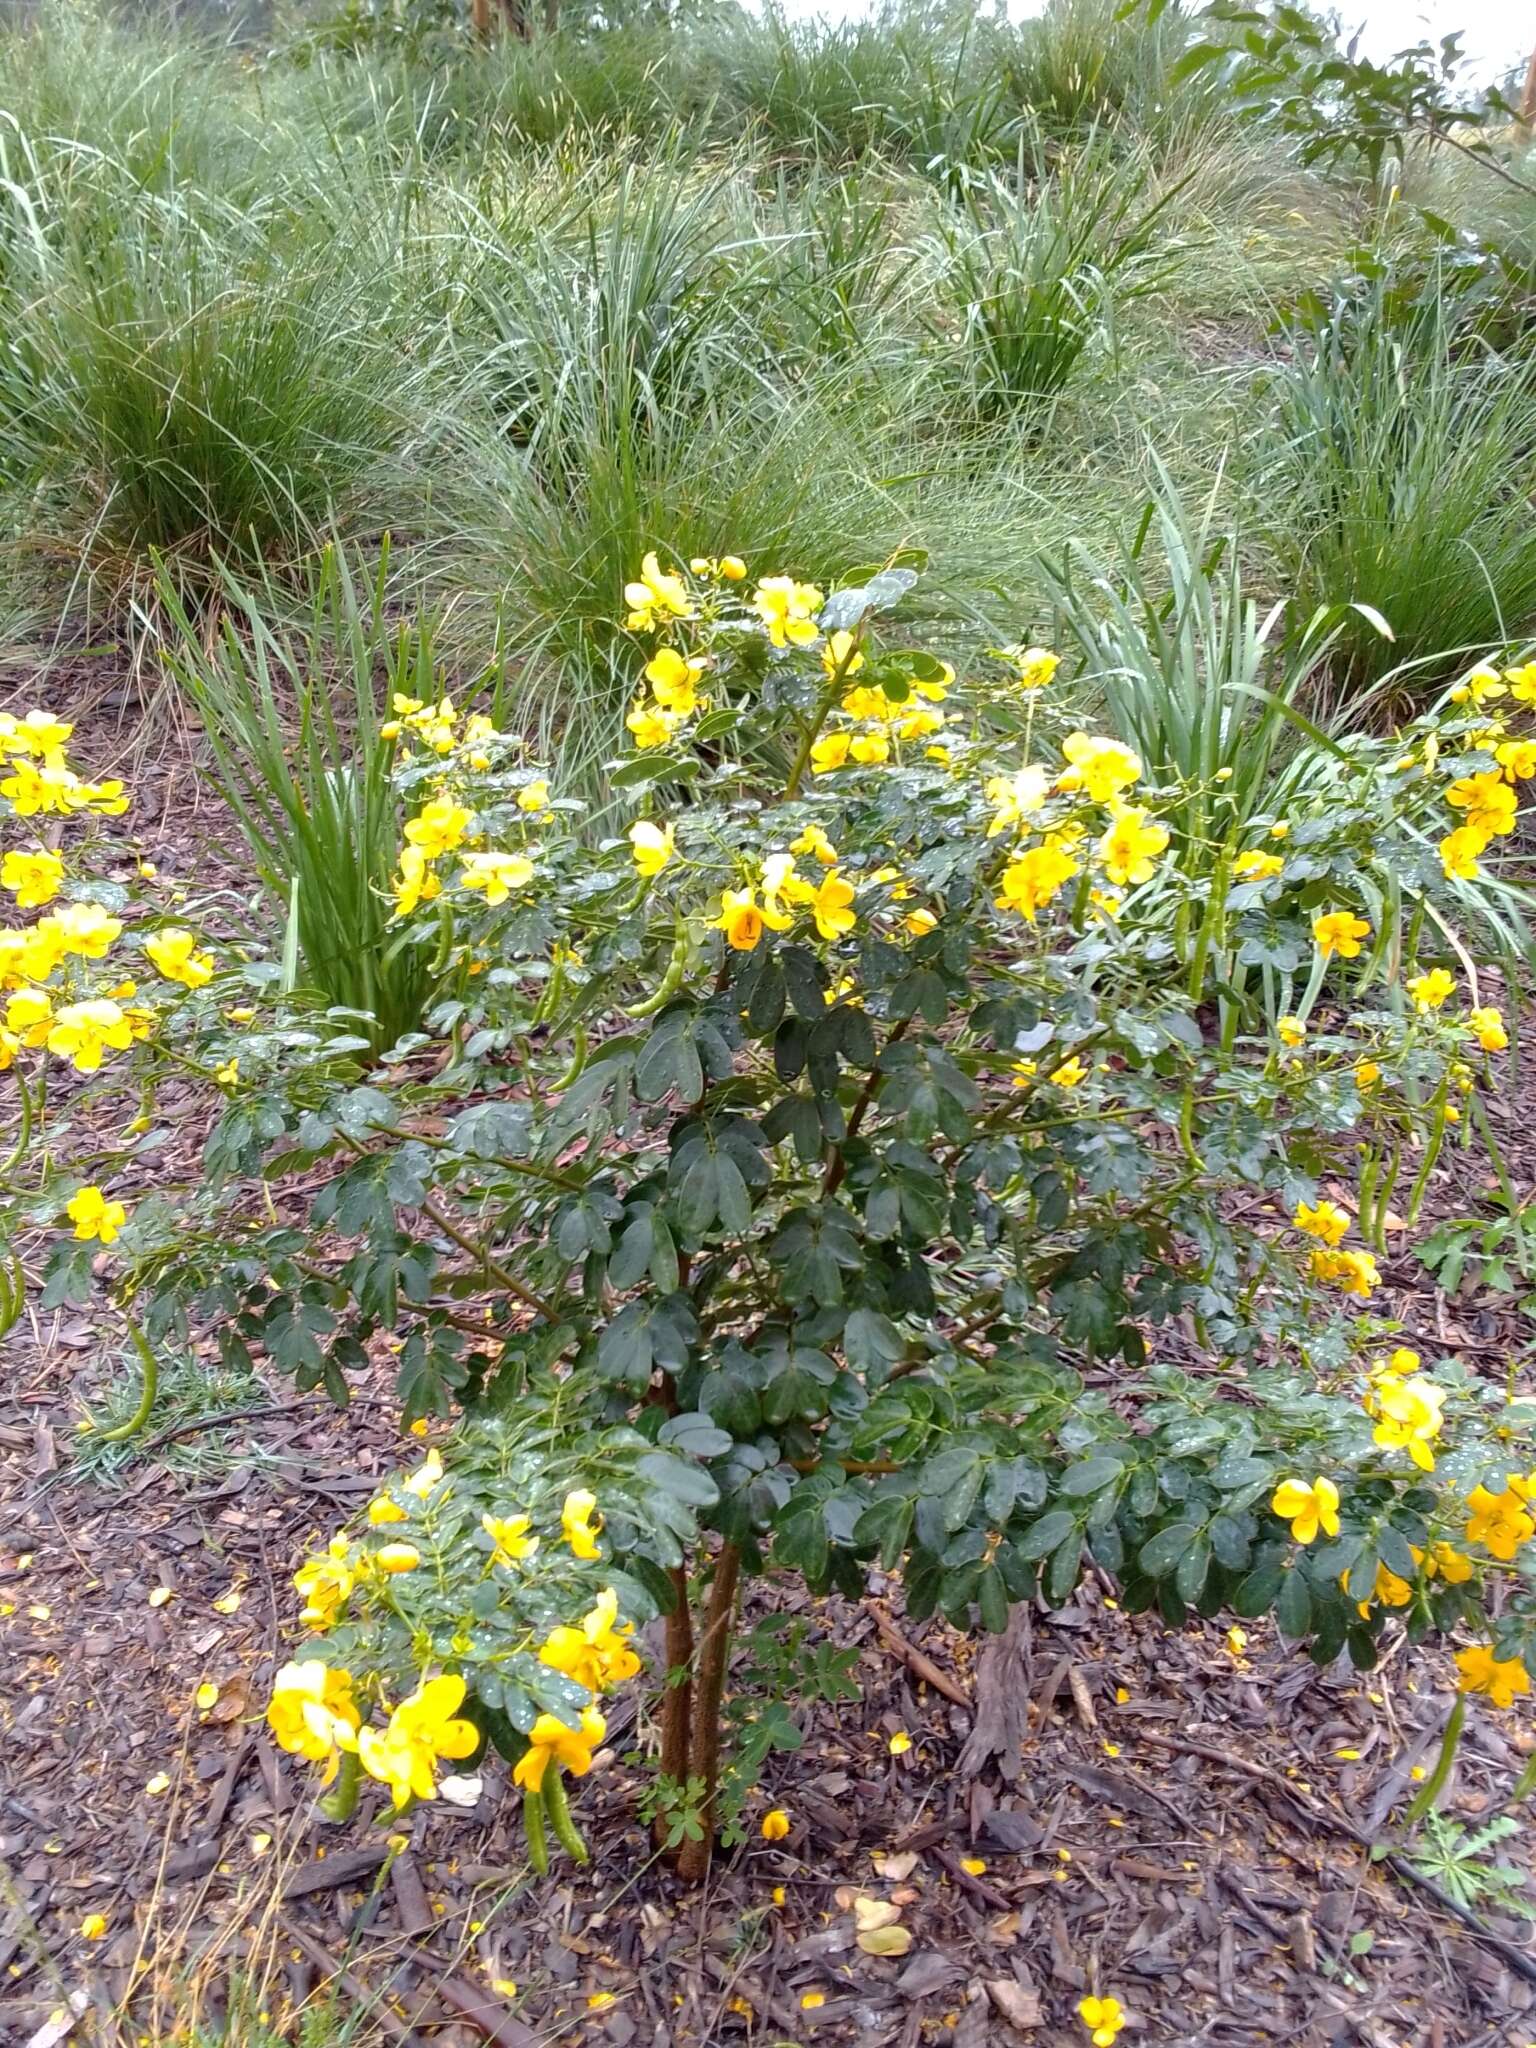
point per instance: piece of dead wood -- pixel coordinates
(411, 1901)
(483, 2011)
(1017, 2004)
(1082, 1698)
(329, 1873)
(739, 1984)
(969, 1882)
(920, 1666)
(370, 2002)
(1518, 1959)
(1003, 1685)
(224, 1791)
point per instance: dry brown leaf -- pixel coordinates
(895, 1863)
(871, 1914)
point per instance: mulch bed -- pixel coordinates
(1180, 1819)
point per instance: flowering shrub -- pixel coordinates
(820, 1150)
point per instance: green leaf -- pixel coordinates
(1162, 1551)
(1293, 1606)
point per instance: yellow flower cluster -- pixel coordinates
(784, 893)
(1408, 1408)
(1351, 1272)
(442, 826)
(53, 1001)
(1100, 770)
(1489, 799)
(877, 721)
(39, 781)
(313, 1711)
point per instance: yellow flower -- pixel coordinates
(1459, 851)
(1410, 1416)
(1517, 758)
(416, 883)
(1105, 900)
(1367, 1074)
(813, 840)
(1482, 1672)
(1307, 1508)
(1103, 2017)
(1499, 1522)
(829, 752)
(383, 1511)
(1024, 1072)
(94, 1216)
(324, 1582)
(1325, 1221)
(312, 1713)
(919, 724)
(29, 1016)
(776, 1824)
(397, 1557)
(1290, 1031)
(920, 923)
(83, 1032)
(1099, 768)
(93, 1926)
(674, 679)
(420, 1732)
(812, 2001)
(427, 1477)
(597, 1654)
(498, 874)
(841, 656)
(1131, 846)
(510, 1538)
(1254, 866)
(830, 906)
(438, 828)
(1071, 1073)
(174, 953)
(1351, 1272)
(1339, 931)
(1487, 799)
(899, 1743)
(551, 1742)
(1016, 798)
(1446, 1562)
(229, 1073)
(1033, 667)
(1388, 1591)
(576, 1523)
(1488, 1026)
(788, 610)
(1522, 683)
(36, 732)
(655, 598)
(1031, 879)
(33, 878)
(1478, 686)
(82, 928)
(650, 726)
(1430, 990)
(740, 919)
(534, 796)
(870, 749)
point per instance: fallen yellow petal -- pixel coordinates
(207, 1696)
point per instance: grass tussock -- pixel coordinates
(803, 291)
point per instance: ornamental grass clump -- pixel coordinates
(798, 1169)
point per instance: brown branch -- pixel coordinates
(920, 1666)
(837, 1165)
(708, 1691)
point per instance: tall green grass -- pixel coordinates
(292, 716)
(1396, 473)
